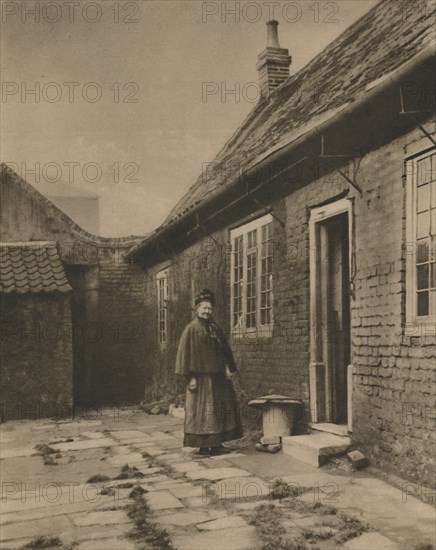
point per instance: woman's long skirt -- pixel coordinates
(212, 412)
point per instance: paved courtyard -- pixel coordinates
(59, 480)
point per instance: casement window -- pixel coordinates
(162, 306)
(251, 277)
(421, 240)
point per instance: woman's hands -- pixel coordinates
(192, 386)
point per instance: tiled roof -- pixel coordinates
(380, 42)
(31, 267)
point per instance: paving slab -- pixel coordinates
(106, 544)
(186, 466)
(85, 444)
(16, 452)
(241, 489)
(154, 451)
(128, 434)
(185, 517)
(185, 490)
(167, 485)
(162, 500)
(172, 457)
(371, 541)
(36, 527)
(228, 539)
(130, 458)
(217, 473)
(230, 522)
(101, 518)
(93, 532)
(94, 435)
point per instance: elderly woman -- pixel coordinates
(206, 361)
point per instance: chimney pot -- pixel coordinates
(272, 34)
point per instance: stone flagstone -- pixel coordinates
(85, 444)
(185, 517)
(162, 500)
(111, 517)
(217, 473)
(371, 541)
(131, 458)
(185, 490)
(106, 544)
(230, 522)
(228, 539)
(186, 466)
(129, 434)
(241, 489)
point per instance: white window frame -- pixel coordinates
(265, 330)
(162, 307)
(415, 325)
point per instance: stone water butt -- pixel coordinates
(279, 414)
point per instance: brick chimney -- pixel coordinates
(274, 61)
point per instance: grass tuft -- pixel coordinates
(146, 531)
(44, 542)
(98, 478)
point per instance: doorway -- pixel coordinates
(330, 236)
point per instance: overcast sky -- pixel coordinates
(120, 107)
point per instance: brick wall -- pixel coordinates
(108, 319)
(36, 357)
(394, 374)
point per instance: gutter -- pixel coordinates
(372, 92)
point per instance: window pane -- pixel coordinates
(423, 198)
(433, 221)
(422, 252)
(422, 276)
(433, 194)
(424, 169)
(423, 225)
(432, 305)
(422, 303)
(433, 275)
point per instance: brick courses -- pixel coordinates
(394, 373)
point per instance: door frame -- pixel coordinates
(317, 370)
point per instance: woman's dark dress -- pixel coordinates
(212, 414)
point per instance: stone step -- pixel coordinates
(336, 429)
(316, 448)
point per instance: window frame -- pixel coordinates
(416, 325)
(259, 330)
(162, 307)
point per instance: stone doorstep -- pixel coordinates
(315, 449)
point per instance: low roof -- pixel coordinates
(31, 267)
(384, 39)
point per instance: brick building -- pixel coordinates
(72, 331)
(315, 226)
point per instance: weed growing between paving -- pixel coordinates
(45, 451)
(147, 533)
(269, 521)
(44, 542)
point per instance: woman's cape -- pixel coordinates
(203, 349)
